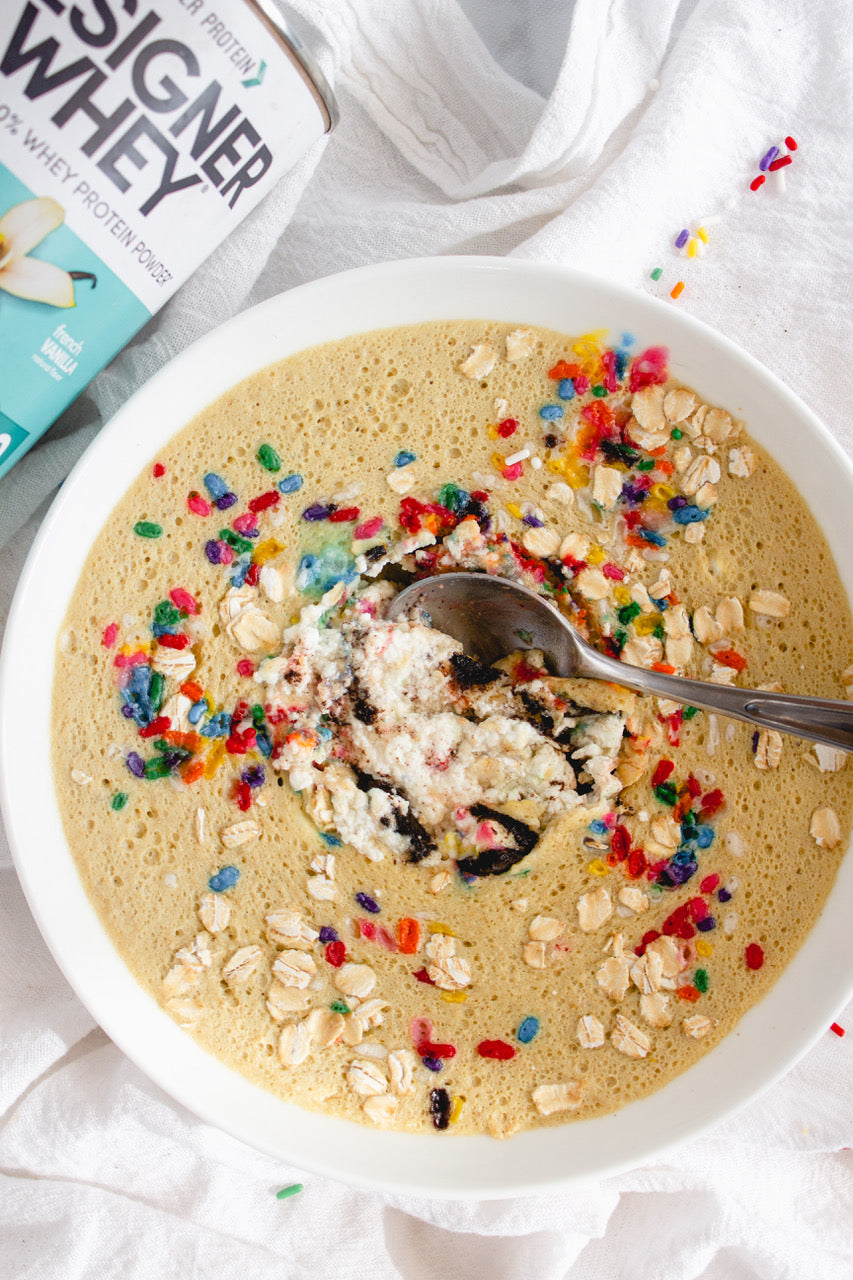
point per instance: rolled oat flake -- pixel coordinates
(134, 137)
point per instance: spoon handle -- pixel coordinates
(824, 720)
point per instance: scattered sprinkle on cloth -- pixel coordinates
(656, 120)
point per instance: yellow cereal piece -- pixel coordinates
(622, 595)
(266, 550)
(588, 349)
(702, 233)
(514, 509)
(215, 756)
(646, 623)
(454, 997)
(451, 843)
(456, 1108)
(575, 472)
(704, 948)
(435, 926)
(596, 555)
(598, 868)
(498, 461)
(663, 492)
(492, 431)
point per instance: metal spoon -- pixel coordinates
(492, 617)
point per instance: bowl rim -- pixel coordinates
(774, 1034)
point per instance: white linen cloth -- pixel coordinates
(440, 150)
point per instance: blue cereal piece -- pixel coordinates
(551, 412)
(218, 726)
(404, 457)
(528, 1028)
(333, 841)
(689, 515)
(225, 878)
(291, 483)
(566, 389)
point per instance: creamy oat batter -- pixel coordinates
(388, 882)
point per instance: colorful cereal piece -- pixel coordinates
(754, 956)
(291, 483)
(147, 529)
(498, 1049)
(224, 878)
(118, 801)
(527, 1030)
(404, 457)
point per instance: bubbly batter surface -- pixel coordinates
(381, 879)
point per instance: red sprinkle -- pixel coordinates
(180, 641)
(198, 505)
(709, 884)
(711, 803)
(158, 470)
(662, 772)
(754, 956)
(245, 667)
(344, 515)
(245, 523)
(368, 529)
(239, 743)
(636, 863)
(613, 571)
(496, 1049)
(429, 1050)
(479, 495)
(689, 992)
(336, 954)
(792, 146)
(563, 370)
(156, 727)
(244, 796)
(182, 599)
(507, 428)
(110, 635)
(423, 976)
(620, 842)
(839, 1031)
(779, 164)
(515, 472)
(757, 182)
(264, 500)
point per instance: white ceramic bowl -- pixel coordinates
(771, 1036)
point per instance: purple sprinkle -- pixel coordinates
(369, 904)
(135, 763)
(676, 503)
(683, 237)
(707, 923)
(755, 742)
(723, 895)
(328, 934)
(127, 711)
(253, 776)
(533, 521)
(433, 1064)
(768, 159)
(317, 511)
(227, 500)
(172, 759)
(213, 551)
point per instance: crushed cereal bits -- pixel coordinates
(696, 1026)
(825, 828)
(520, 345)
(480, 363)
(240, 833)
(768, 749)
(627, 1038)
(770, 603)
(551, 1098)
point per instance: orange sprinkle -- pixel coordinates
(678, 290)
(665, 466)
(730, 658)
(190, 689)
(191, 741)
(689, 992)
(408, 935)
(192, 771)
(663, 667)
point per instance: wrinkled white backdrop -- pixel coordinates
(532, 132)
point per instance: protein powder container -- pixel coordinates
(133, 139)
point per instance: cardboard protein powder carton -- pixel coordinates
(133, 139)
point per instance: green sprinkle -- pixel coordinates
(157, 767)
(268, 458)
(690, 712)
(257, 713)
(657, 273)
(700, 980)
(119, 800)
(287, 1192)
(666, 793)
(157, 689)
(658, 632)
(147, 529)
(599, 391)
(620, 639)
(628, 613)
(647, 464)
(339, 1006)
(676, 433)
(240, 545)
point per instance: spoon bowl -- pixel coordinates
(491, 617)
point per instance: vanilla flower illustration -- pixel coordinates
(22, 228)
